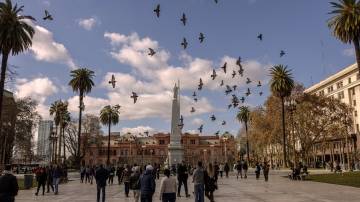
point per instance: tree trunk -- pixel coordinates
(348, 151)
(2, 84)
(108, 149)
(60, 140)
(247, 143)
(81, 97)
(64, 145)
(55, 144)
(357, 51)
(283, 130)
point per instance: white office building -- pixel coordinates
(43, 142)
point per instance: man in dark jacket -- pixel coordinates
(49, 179)
(41, 179)
(101, 176)
(147, 185)
(182, 176)
(8, 186)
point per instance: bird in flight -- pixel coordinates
(213, 75)
(157, 10)
(200, 84)
(248, 92)
(241, 71)
(222, 83)
(234, 87)
(217, 132)
(233, 74)
(261, 93)
(242, 99)
(224, 67)
(213, 118)
(184, 43)
(195, 99)
(181, 119)
(260, 37)
(238, 62)
(248, 80)
(259, 84)
(228, 90)
(229, 106)
(151, 52)
(147, 133)
(183, 19)
(223, 123)
(112, 81)
(201, 128)
(181, 126)
(134, 97)
(282, 53)
(192, 110)
(201, 37)
(194, 94)
(47, 16)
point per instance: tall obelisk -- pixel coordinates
(175, 149)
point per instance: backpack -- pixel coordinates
(134, 182)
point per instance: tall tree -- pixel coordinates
(345, 23)
(243, 116)
(109, 116)
(82, 83)
(15, 37)
(281, 85)
(55, 110)
(65, 119)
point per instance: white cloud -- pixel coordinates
(92, 105)
(45, 48)
(88, 23)
(38, 89)
(138, 130)
(350, 52)
(197, 121)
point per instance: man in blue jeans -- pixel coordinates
(198, 180)
(101, 176)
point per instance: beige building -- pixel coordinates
(345, 86)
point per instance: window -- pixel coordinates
(330, 89)
(349, 80)
(192, 141)
(161, 142)
(322, 93)
(357, 128)
(341, 95)
(354, 102)
(355, 113)
(339, 84)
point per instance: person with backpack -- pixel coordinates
(126, 179)
(135, 183)
(168, 187)
(210, 182)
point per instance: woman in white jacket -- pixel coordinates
(168, 187)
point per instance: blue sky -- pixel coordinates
(112, 37)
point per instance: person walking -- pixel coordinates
(182, 177)
(198, 180)
(239, 170)
(135, 182)
(8, 185)
(49, 178)
(210, 182)
(41, 180)
(87, 174)
(101, 176)
(82, 174)
(126, 179)
(257, 170)
(168, 187)
(119, 171)
(56, 178)
(92, 173)
(221, 169)
(227, 169)
(147, 184)
(245, 168)
(266, 169)
(111, 175)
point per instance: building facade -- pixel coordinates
(127, 149)
(345, 86)
(43, 142)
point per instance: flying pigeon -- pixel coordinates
(200, 84)
(229, 106)
(228, 90)
(194, 94)
(201, 128)
(147, 133)
(192, 110)
(224, 67)
(195, 99)
(213, 76)
(47, 16)
(157, 10)
(260, 37)
(217, 132)
(259, 84)
(181, 119)
(241, 71)
(248, 92)
(183, 19)
(134, 96)
(151, 52)
(248, 80)
(234, 87)
(233, 74)
(222, 83)
(223, 123)
(184, 43)
(242, 99)
(261, 93)
(112, 81)
(201, 37)
(181, 126)
(282, 53)
(213, 118)
(238, 62)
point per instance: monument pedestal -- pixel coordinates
(175, 154)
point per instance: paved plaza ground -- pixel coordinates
(278, 189)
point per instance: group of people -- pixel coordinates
(49, 176)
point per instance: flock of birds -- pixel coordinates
(235, 100)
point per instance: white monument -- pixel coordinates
(176, 152)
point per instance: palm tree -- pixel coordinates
(65, 120)
(345, 23)
(281, 85)
(15, 37)
(244, 116)
(81, 83)
(109, 116)
(55, 110)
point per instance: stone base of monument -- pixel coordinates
(175, 155)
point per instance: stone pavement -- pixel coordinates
(278, 189)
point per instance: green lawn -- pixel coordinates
(347, 179)
(21, 183)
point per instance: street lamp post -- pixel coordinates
(142, 158)
(212, 153)
(225, 141)
(291, 106)
(204, 154)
